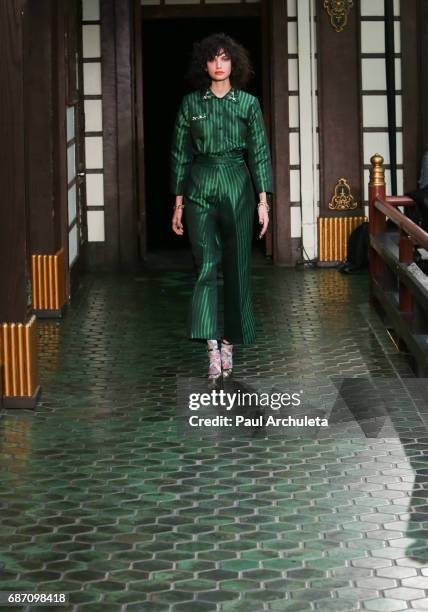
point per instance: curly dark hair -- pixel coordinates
(207, 49)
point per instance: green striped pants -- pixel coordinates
(219, 213)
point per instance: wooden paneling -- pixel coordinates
(339, 102)
(59, 124)
(140, 175)
(38, 71)
(126, 175)
(110, 255)
(121, 219)
(281, 227)
(14, 255)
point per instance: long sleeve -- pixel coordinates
(181, 150)
(258, 151)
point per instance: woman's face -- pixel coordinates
(220, 67)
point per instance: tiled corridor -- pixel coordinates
(102, 498)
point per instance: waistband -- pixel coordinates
(219, 159)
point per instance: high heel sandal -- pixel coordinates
(226, 356)
(214, 370)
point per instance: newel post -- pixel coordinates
(376, 218)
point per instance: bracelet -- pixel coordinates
(263, 203)
(178, 206)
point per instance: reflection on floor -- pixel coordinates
(104, 498)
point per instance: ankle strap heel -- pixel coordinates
(226, 356)
(214, 370)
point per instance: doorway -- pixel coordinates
(166, 51)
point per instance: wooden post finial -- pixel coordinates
(377, 172)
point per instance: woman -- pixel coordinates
(215, 125)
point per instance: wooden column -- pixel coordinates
(422, 67)
(339, 100)
(18, 337)
(281, 228)
(414, 73)
(412, 136)
(121, 211)
(14, 254)
(139, 122)
(44, 37)
(126, 176)
(38, 79)
(111, 196)
(59, 127)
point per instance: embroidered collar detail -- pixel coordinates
(232, 95)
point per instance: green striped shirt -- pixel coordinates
(207, 124)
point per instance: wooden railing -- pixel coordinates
(397, 284)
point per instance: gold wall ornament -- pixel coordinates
(343, 198)
(338, 11)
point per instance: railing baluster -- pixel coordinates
(405, 256)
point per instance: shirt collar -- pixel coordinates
(231, 95)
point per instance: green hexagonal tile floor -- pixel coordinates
(104, 498)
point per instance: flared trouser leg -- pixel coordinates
(205, 240)
(236, 229)
(220, 216)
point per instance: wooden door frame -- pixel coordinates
(276, 17)
(272, 14)
(139, 129)
(77, 98)
(119, 251)
(59, 105)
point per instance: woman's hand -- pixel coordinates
(263, 219)
(177, 225)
